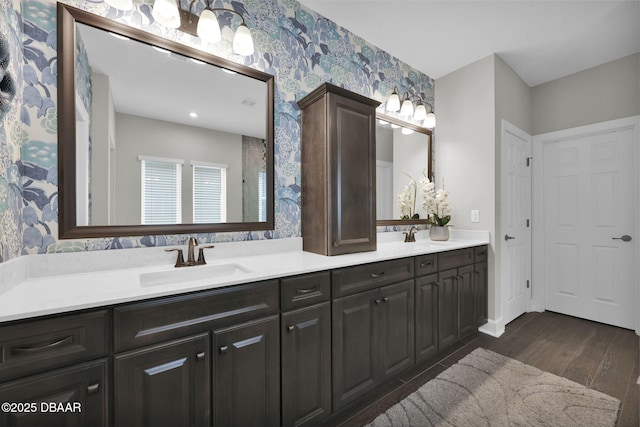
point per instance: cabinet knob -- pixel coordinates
(223, 349)
(93, 388)
(200, 356)
(377, 301)
(385, 299)
(290, 328)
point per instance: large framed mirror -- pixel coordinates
(156, 137)
(403, 150)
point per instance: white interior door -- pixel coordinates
(515, 236)
(589, 189)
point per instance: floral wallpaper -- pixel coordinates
(11, 133)
(299, 47)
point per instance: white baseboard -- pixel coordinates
(494, 328)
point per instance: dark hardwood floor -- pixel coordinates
(601, 357)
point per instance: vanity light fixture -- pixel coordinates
(407, 131)
(206, 26)
(407, 109)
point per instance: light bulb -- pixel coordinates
(208, 27)
(407, 108)
(393, 103)
(420, 113)
(430, 121)
(242, 41)
(166, 13)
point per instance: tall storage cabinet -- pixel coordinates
(338, 171)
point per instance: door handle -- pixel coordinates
(625, 238)
(507, 238)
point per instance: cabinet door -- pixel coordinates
(466, 300)
(306, 365)
(246, 374)
(397, 340)
(355, 347)
(74, 396)
(164, 385)
(352, 179)
(481, 292)
(426, 317)
(447, 308)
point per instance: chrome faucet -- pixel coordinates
(410, 235)
(191, 259)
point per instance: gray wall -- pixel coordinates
(606, 92)
(141, 136)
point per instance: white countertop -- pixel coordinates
(56, 283)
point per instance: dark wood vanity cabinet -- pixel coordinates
(164, 384)
(288, 351)
(338, 171)
(246, 374)
(204, 358)
(73, 396)
(54, 371)
(462, 294)
(372, 331)
(306, 349)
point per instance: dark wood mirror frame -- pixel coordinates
(397, 121)
(68, 228)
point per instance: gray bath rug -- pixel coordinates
(488, 389)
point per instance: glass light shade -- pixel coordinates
(420, 113)
(166, 13)
(407, 131)
(430, 121)
(120, 4)
(393, 103)
(407, 108)
(242, 41)
(208, 27)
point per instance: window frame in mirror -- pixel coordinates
(415, 128)
(67, 214)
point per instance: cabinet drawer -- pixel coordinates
(40, 345)
(453, 259)
(351, 280)
(300, 291)
(480, 253)
(426, 264)
(158, 320)
(82, 390)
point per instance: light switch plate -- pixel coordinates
(475, 215)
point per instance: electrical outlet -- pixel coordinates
(475, 215)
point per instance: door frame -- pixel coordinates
(508, 127)
(538, 243)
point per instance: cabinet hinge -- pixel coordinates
(528, 284)
(528, 223)
(529, 161)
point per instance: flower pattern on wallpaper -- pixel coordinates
(299, 47)
(11, 136)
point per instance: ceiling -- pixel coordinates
(541, 40)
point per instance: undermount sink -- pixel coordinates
(188, 274)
